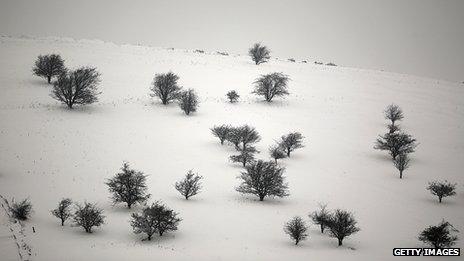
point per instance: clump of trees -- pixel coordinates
(190, 185)
(21, 210)
(296, 228)
(271, 85)
(63, 210)
(259, 53)
(156, 218)
(188, 101)
(321, 217)
(165, 87)
(263, 179)
(221, 132)
(440, 236)
(232, 96)
(88, 216)
(77, 87)
(342, 224)
(128, 186)
(291, 142)
(442, 189)
(49, 66)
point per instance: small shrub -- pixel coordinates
(259, 53)
(21, 210)
(232, 96)
(165, 87)
(63, 211)
(442, 189)
(393, 113)
(296, 228)
(190, 185)
(342, 224)
(291, 142)
(321, 217)
(330, 64)
(88, 216)
(401, 162)
(156, 218)
(188, 101)
(441, 236)
(221, 132)
(271, 85)
(276, 153)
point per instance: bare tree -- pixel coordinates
(88, 216)
(190, 185)
(401, 162)
(321, 217)
(276, 153)
(63, 211)
(246, 156)
(21, 210)
(234, 136)
(291, 142)
(442, 189)
(263, 179)
(165, 87)
(259, 53)
(221, 132)
(188, 101)
(396, 143)
(128, 186)
(156, 218)
(248, 135)
(296, 228)
(232, 96)
(342, 224)
(77, 87)
(393, 113)
(49, 66)
(271, 85)
(441, 236)
(393, 128)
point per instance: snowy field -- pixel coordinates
(48, 152)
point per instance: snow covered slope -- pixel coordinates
(48, 152)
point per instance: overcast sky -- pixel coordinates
(422, 37)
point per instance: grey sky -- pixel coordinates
(422, 37)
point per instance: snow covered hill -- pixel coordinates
(48, 152)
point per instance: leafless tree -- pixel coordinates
(156, 218)
(249, 135)
(21, 210)
(165, 87)
(442, 189)
(128, 186)
(441, 236)
(246, 156)
(232, 96)
(188, 101)
(49, 66)
(63, 211)
(291, 142)
(276, 153)
(271, 85)
(259, 53)
(77, 87)
(321, 217)
(393, 113)
(190, 185)
(342, 224)
(393, 128)
(221, 132)
(401, 162)
(263, 179)
(296, 228)
(234, 136)
(396, 143)
(88, 216)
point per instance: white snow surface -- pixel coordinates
(48, 152)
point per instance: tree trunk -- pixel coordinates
(275, 160)
(401, 174)
(62, 222)
(439, 199)
(161, 233)
(49, 79)
(288, 153)
(261, 198)
(322, 229)
(340, 242)
(149, 237)
(296, 242)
